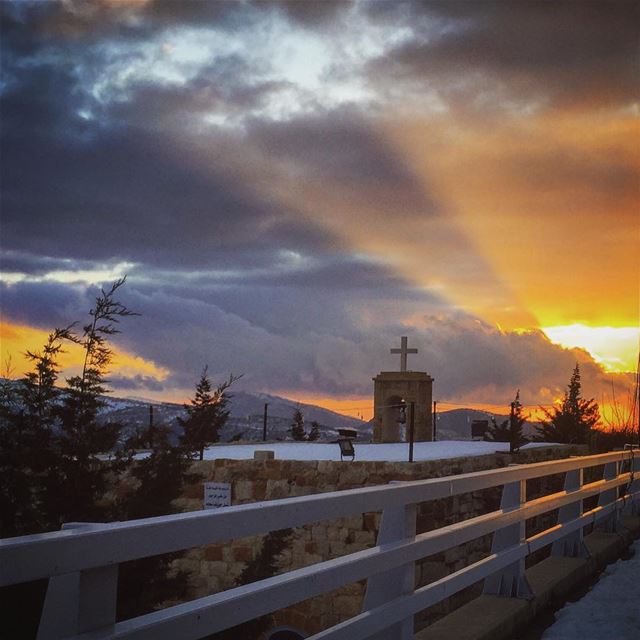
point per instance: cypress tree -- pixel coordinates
(314, 434)
(206, 414)
(574, 420)
(297, 426)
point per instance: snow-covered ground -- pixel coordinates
(609, 611)
(393, 452)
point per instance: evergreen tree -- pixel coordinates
(206, 414)
(314, 434)
(28, 415)
(297, 426)
(80, 476)
(509, 430)
(573, 421)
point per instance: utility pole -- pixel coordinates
(151, 434)
(411, 428)
(264, 423)
(435, 415)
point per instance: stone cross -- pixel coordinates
(403, 351)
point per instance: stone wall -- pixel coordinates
(217, 567)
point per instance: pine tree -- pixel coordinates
(314, 434)
(206, 414)
(497, 432)
(510, 430)
(28, 416)
(297, 426)
(80, 477)
(573, 421)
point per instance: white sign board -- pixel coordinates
(217, 494)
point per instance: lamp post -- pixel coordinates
(411, 428)
(264, 423)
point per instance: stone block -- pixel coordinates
(213, 553)
(364, 538)
(264, 455)
(353, 475)
(277, 489)
(334, 533)
(346, 605)
(370, 522)
(337, 549)
(318, 532)
(214, 584)
(259, 490)
(217, 568)
(327, 467)
(242, 491)
(322, 548)
(193, 491)
(243, 554)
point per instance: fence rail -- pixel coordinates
(81, 561)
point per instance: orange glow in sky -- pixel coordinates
(615, 348)
(16, 339)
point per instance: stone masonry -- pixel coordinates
(217, 567)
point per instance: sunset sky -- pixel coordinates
(292, 186)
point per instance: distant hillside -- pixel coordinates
(246, 419)
(245, 422)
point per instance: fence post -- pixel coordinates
(572, 545)
(632, 507)
(81, 601)
(511, 581)
(611, 524)
(397, 523)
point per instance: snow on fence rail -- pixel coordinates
(82, 560)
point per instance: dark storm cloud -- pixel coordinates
(567, 52)
(341, 273)
(125, 187)
(227, 86)
(44, 304)
(34, 265)
(310, 14)
(224, 273)
(289, 338)
(607, 174)
(336, 145)
(137, 382)
(337, 272)
(85, 191)
(306, 299)
(78, 19)
(342, 147)
(103, 19)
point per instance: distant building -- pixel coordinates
(479, 428)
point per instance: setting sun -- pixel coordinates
(615, 348)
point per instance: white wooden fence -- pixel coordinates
(81, 561)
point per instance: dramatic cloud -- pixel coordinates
(491, 52)
(291, 186)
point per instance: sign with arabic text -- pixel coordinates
(216, 495)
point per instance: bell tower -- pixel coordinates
(393, 391)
